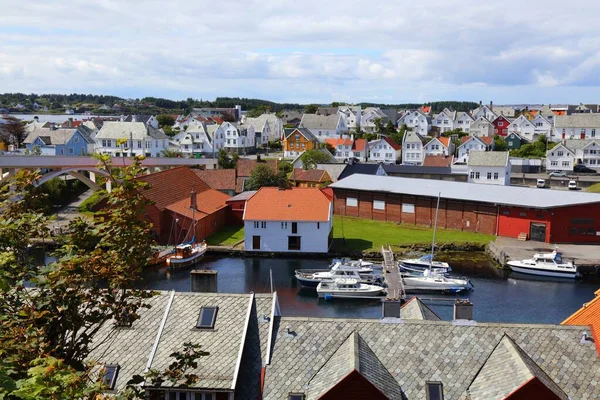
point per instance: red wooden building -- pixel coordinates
(544, 215)
(501, 126)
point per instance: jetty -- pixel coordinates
(391, 276)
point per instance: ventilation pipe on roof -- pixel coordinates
(491, 105)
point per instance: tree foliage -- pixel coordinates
(12, 132)
(263, 175)
(171, 153)
(258, 111)
(226, 160)
(311, 108)
(310, 158)
(535, 149)
(455, 132)
(500, 143)
(165, 120)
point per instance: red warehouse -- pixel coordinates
(544, 215)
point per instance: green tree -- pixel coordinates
(500, 143)
(311, 108)
(258, 111)
(390, 128)
(285, 166)
(335, 104)
(310, 158)
(329, 148)
(458, 132)
(379, 125)
(170, 153)
(226, 160)
(12, 132)
(263, 175)
(536, 149)
(165, 120)
(228, 117)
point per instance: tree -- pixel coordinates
(12, 132)
(258, 111)
(285, 167)
(311, 108)
(263, 175)
(310, 158)
(165, 120)
(228, 117)
(226, 160)
(170, 153)
(335, 104)
(378, 125)
(390, 128)
(499, 143)
(536, 149)
(329, 148)
(458, 132)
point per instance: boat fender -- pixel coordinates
(328, 297)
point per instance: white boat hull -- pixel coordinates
(176, 262)
(424, 284)
(572, 274)
(364, 291)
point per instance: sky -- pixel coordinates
(304, 51)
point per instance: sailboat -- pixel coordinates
(188, 252)
(431, 280)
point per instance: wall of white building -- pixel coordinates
(274, 235)
(489, 175)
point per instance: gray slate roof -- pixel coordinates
(509, 195)
(418, 351)
(126, 130)
(507, 369)
(315, 121)
(304, 131)
(488, 158)
(588, 120)
(57, 136)
(412, 137)
(416, 309)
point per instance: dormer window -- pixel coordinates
(109, 379)
(434, 391)
(207, 318)
(296, 396)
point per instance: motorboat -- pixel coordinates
(545, 264)
(431, 282)
(361, 264)
(186, 254)
(347, 288)
(312, 277)
(413, 270)
(425, 262)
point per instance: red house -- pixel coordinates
(501, 126)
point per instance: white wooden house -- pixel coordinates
(412, 149)
(324, 126)
(463, 121)
(481, 127)
(140, 139)
(491, 168)
(523, 127)
(444, 121)
(416, 121)
(577, 126)
(384, 150)
(239, 138)
(439, 146)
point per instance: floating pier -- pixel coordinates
(391, 276)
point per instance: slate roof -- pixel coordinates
(588, 315)
(418, 351)
(303, 131)
(314, 121)
(57, 136)
(333, 169)
(575, 144)
(509, 195)
(354, 354)
(488, 158)
(588, 120)
(506, 370)
(218, 179)
(416, 169)
(415, 309)
(365, 169)
(126, 130)
(296, 204)
(412, 137)
(309, 175)
(242, 196)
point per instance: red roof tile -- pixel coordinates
(437, 161)
(245, 166)
(218, 179)
(487, 140)
(444, 140)
(310, 175)
(464, 139)
(425, 109)
(297, 204)
(588, 315)
(339, 142)
(359, 144)
(394, 145)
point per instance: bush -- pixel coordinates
(91, 202)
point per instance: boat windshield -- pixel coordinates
(558, 258)
(426, 257)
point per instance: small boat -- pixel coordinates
(411, 270)
(347, 288)
(186, 254)
(312, 277)
(360, 263)
(430, 282)
(424, 263)
(545, 264)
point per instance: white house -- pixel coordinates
(523, 127)
(352, 115)
(368, 118)
(384, 150)
(577, 126)
(491, 168)
(298, 220)
(360, 149)
(149, 120)
(473, 143)
(444, 120)
(343, 148)
(140, 139)
(542, 126)
(439, 146)
(570, 152)
(561, 158)
(198, 139)
(484, 112)
(267, 126)
(481, 127)
(416, 121)
(324, 126)
(238, 138)
(463, 121)
(412, 148)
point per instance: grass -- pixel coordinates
(595, 188)
(369, 235)
(227, 236)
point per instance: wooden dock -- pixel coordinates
(391, 276)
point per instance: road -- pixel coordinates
(68, 213)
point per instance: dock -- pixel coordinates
(391, 276)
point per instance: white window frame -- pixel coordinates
(408, 208)
(351, 202)
(378, 205)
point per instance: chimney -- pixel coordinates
(122, 118)
(463, 309)
(193, 204)
(258, 159)
(491, 105)
(480, 103)
(70, 123)
(391, 308)
(36, 118)
(204, 281)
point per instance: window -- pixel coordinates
(505, 212)
(434, 391)
(560, 153)
(593, 132)
(565, 163)
(111, 371)
(554, 163)
(263, 224)
(472, 175)
(294, 227)
(510, 142)
(293, 242)
(284, 225)
(295, 396)
(71, 150)
(378, 205)
(318, 225)
(476, 175)
(149, 144)
(62, 151)
(522, 214)
(489, 176)
(207, 317)
(408, 208)
(76, 139)
(139, 144)
(500, 123)
(351, 202)
(495, 175)
(583, 221)
(256, 225)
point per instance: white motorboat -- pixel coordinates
(347, 288)
(186, 254)
(312, 277)
(545, 264)
(426, 282)
(363, 265)
(425, 262)
(412, 270)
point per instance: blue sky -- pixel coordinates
(305, 51)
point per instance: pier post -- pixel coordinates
(204, 281)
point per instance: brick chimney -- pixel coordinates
(491, 105)
(193, 204)
(70, 123)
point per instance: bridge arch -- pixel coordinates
(75, 172)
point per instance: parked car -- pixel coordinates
(541, 183)
(582, 168)
(557, 173)
(572, 185)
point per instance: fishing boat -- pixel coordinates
(424, 262)
(186, 254)
(312, 277)
(545, 264)
(347, 288)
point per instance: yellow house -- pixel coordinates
(297, 140)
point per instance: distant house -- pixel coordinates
(301, 177)
(439, 146)
(324, 127)
(183, 206)
(577, 126)
(463, 121)
(514, 141)
(200, 139)
(360, 149)
(363, 169)
(69, 111)
(239, 138)
(298, 140)
(473, 143)
(343, 148)
(296, 220)
(444, 121)
(501, 126)
(140, 139)
(61, 142)
(416, 121)
(291, 117)
(369, 116)
(412, 148)
(222, 180)
(561, 158)
(523, 127)
(297, 162)
(571, 152)
(542, 126)
(267, 127)
(149, 120)
(484, 111)
(492, 168)
(384, 150)
(481, 127)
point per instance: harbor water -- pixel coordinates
(499, 296)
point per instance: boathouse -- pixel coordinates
(552, 216)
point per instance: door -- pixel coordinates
(255, 242)
(537, 232)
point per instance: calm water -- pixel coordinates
(498, 296)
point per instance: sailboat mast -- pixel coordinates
(437, 210)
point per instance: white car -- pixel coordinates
(572, 185)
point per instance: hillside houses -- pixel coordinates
(324, 127)
(239, 138)
(140, 138)
(416, 121)
(61, 142)
(569, 152)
